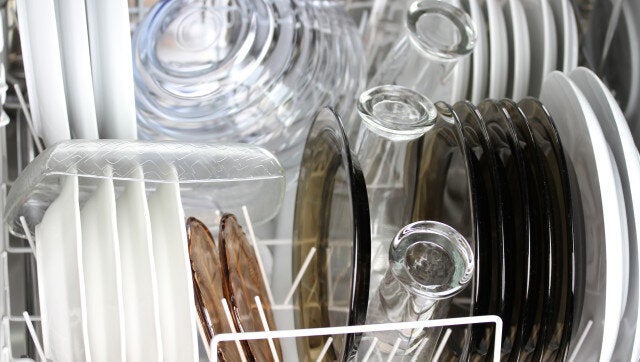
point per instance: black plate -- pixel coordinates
(449, 189)
(331, 208)
(532, 296)
(456, 187)
(559, 309)
(478, 138)
(509, 251)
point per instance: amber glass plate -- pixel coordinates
(207, 287)
(332, 216)
(242, 282)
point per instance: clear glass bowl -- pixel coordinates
(251, 71)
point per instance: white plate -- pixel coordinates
(616, 131)
(520, 49)
(586, 147)
(542, 34)
(573, 39)
(76, 65)
(480, 55)
(560, 11)
(139, 283)
(102, 275)
(61, 287)
(43, 70)
(175, 284)
(112, 68)
(498, 50)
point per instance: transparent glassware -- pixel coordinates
(250, 71)
(393, 120)
(429, 262)
(435, 38)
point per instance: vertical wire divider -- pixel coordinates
(372, 347)
(366, 328)
(445, 339)
(232, 326)
(325, 349)
(34, 335)
(612, 24)
(363, 22)
(27, 116)
(256, 250)
(6, 327)
(27, 232)
(265, 326)
(581, 340)
(330, 285)
(299, 276)
(419, 350)
(6, 349)
(394, 350)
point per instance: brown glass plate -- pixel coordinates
(242, 282)
(332, 216)
(207, 287)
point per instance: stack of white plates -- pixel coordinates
(114, 275)
(598, 143)
(520, 42)
(78, 68)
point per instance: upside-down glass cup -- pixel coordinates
(436, 36)
(393, 119)
(429, 262)
(248, 71)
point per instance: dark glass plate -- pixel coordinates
(508, 250)
(559, 308)
(538, 228)
(450, 189)
(488, 295)
(332, 215)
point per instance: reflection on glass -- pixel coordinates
(429, 263)
(436, 36)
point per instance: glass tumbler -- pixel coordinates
(436, 37)
(429, 262)
(393, 119)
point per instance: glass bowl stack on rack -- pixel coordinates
(251, 71)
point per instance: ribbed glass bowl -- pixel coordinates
(253, 71)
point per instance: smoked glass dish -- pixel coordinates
(509, 250)
(332, 216)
